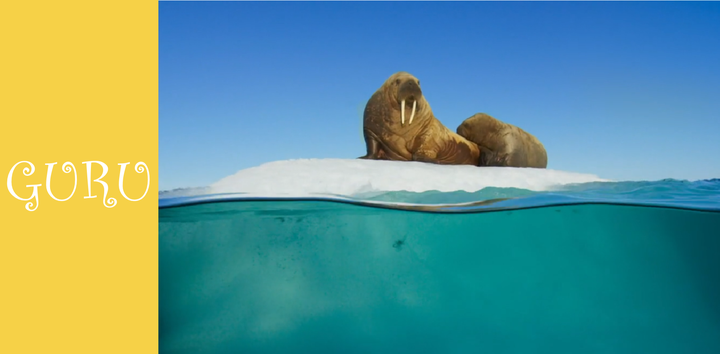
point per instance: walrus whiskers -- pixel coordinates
(402, 112)
(413, 112)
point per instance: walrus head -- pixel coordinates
(404, 91)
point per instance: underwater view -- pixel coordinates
(596, 267)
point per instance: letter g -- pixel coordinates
(26, 172)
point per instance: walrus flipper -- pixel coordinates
(373, 147)
(425, 156)
(491, 158)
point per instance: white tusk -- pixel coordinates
(402, 112)
(413, 112)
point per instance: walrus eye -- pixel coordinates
(418, 82)
(397, 82)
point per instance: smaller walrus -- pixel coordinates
(503, 144)
(398, 124)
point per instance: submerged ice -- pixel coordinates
(352, 177)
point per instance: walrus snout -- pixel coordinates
(409, 91)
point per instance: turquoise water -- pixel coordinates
(594, 268)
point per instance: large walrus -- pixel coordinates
(503, 144)
(398, 124)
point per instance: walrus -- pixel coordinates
(503, 144)
(398, 124)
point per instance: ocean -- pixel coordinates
(602, 267)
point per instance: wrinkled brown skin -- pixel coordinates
(503, 144)
(425, 140)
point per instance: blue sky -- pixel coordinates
(627, 91)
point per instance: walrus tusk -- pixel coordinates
(413, 112)
(402, 112)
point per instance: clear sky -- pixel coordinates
(627, 91)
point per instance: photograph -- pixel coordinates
(442, 177)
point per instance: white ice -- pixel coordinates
(351, 177)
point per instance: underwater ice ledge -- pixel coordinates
(354, 177)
